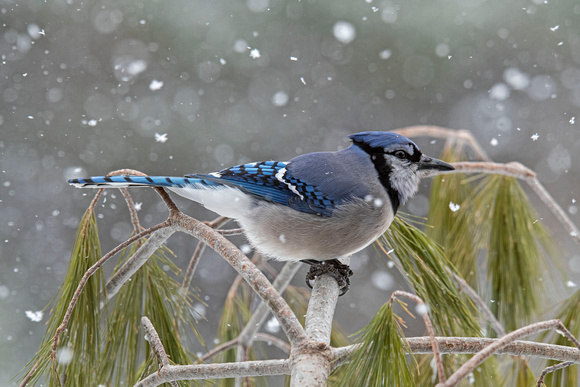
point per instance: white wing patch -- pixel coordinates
(280, 177)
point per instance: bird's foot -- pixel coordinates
(334, 268)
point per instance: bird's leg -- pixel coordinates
(337, 270)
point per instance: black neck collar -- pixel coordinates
(377, 156)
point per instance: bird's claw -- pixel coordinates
(334, 268)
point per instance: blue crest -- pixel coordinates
(381, 139)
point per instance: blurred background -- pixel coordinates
(174, 87)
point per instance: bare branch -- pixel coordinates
(29, 375)
(553, 368)
(247, 270)
(137, 260)
(423, 310)
(269, 339)
(479, 357)
(445, 133)
(199, 249)
(481, 305)
(259, 315)
(471, 345)
(556, 209)
(519, 171)
(215, 371)
(132, 209)
(311, 361)
(273, 340)
(156, 345)
(232, 232)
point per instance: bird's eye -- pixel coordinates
(400, 154)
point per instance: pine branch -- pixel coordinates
(422, 309)
(478, 358)
(249, 272)
(519, 171)
(311, 360)
(472, 345)
(156, 346)
(216, 371)
(199, 249)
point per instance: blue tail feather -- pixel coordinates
(126, 181)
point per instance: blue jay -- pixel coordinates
(315, 208)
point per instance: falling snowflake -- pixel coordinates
(255, 53)
(493, 142)
(535, 137)
(554, 28)
(571, 284)
(161, 137)
(34, 316)
(454, 207)
(138, 206)
(572, 120)
(155, 85)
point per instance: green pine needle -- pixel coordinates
(152, 292)
(569, 313)
(450, 228)
(427, 270)
(381, 359)
(507, 226)
(79, 348)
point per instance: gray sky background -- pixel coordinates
(174, 87)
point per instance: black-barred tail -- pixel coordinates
(138, 181)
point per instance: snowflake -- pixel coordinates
(34, 316)
(535, 137)
(255, 53)
(155, 85)
(161, 137)
(454, 207)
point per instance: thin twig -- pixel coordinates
(231, 232)
(217, 350)
(519, 171)
(248, 334)
(61, 328)
(251, 274)
(269, 339)
(273, 340)
(132, 209)
(198, 252)
(445, 133)
(481, 305)
(553, 368)
(95, 199)
(130, 267)
(156, 345)
(556, 209)
(215, 371)
(262, 311)
(423, 310)
(29, 375)
(479, 357)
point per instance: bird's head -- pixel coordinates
(399, 162)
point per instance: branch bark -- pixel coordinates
(311, 361)
(215, 371)
(471, 345)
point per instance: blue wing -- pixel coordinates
(270, 180)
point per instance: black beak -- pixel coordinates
(430, 163)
